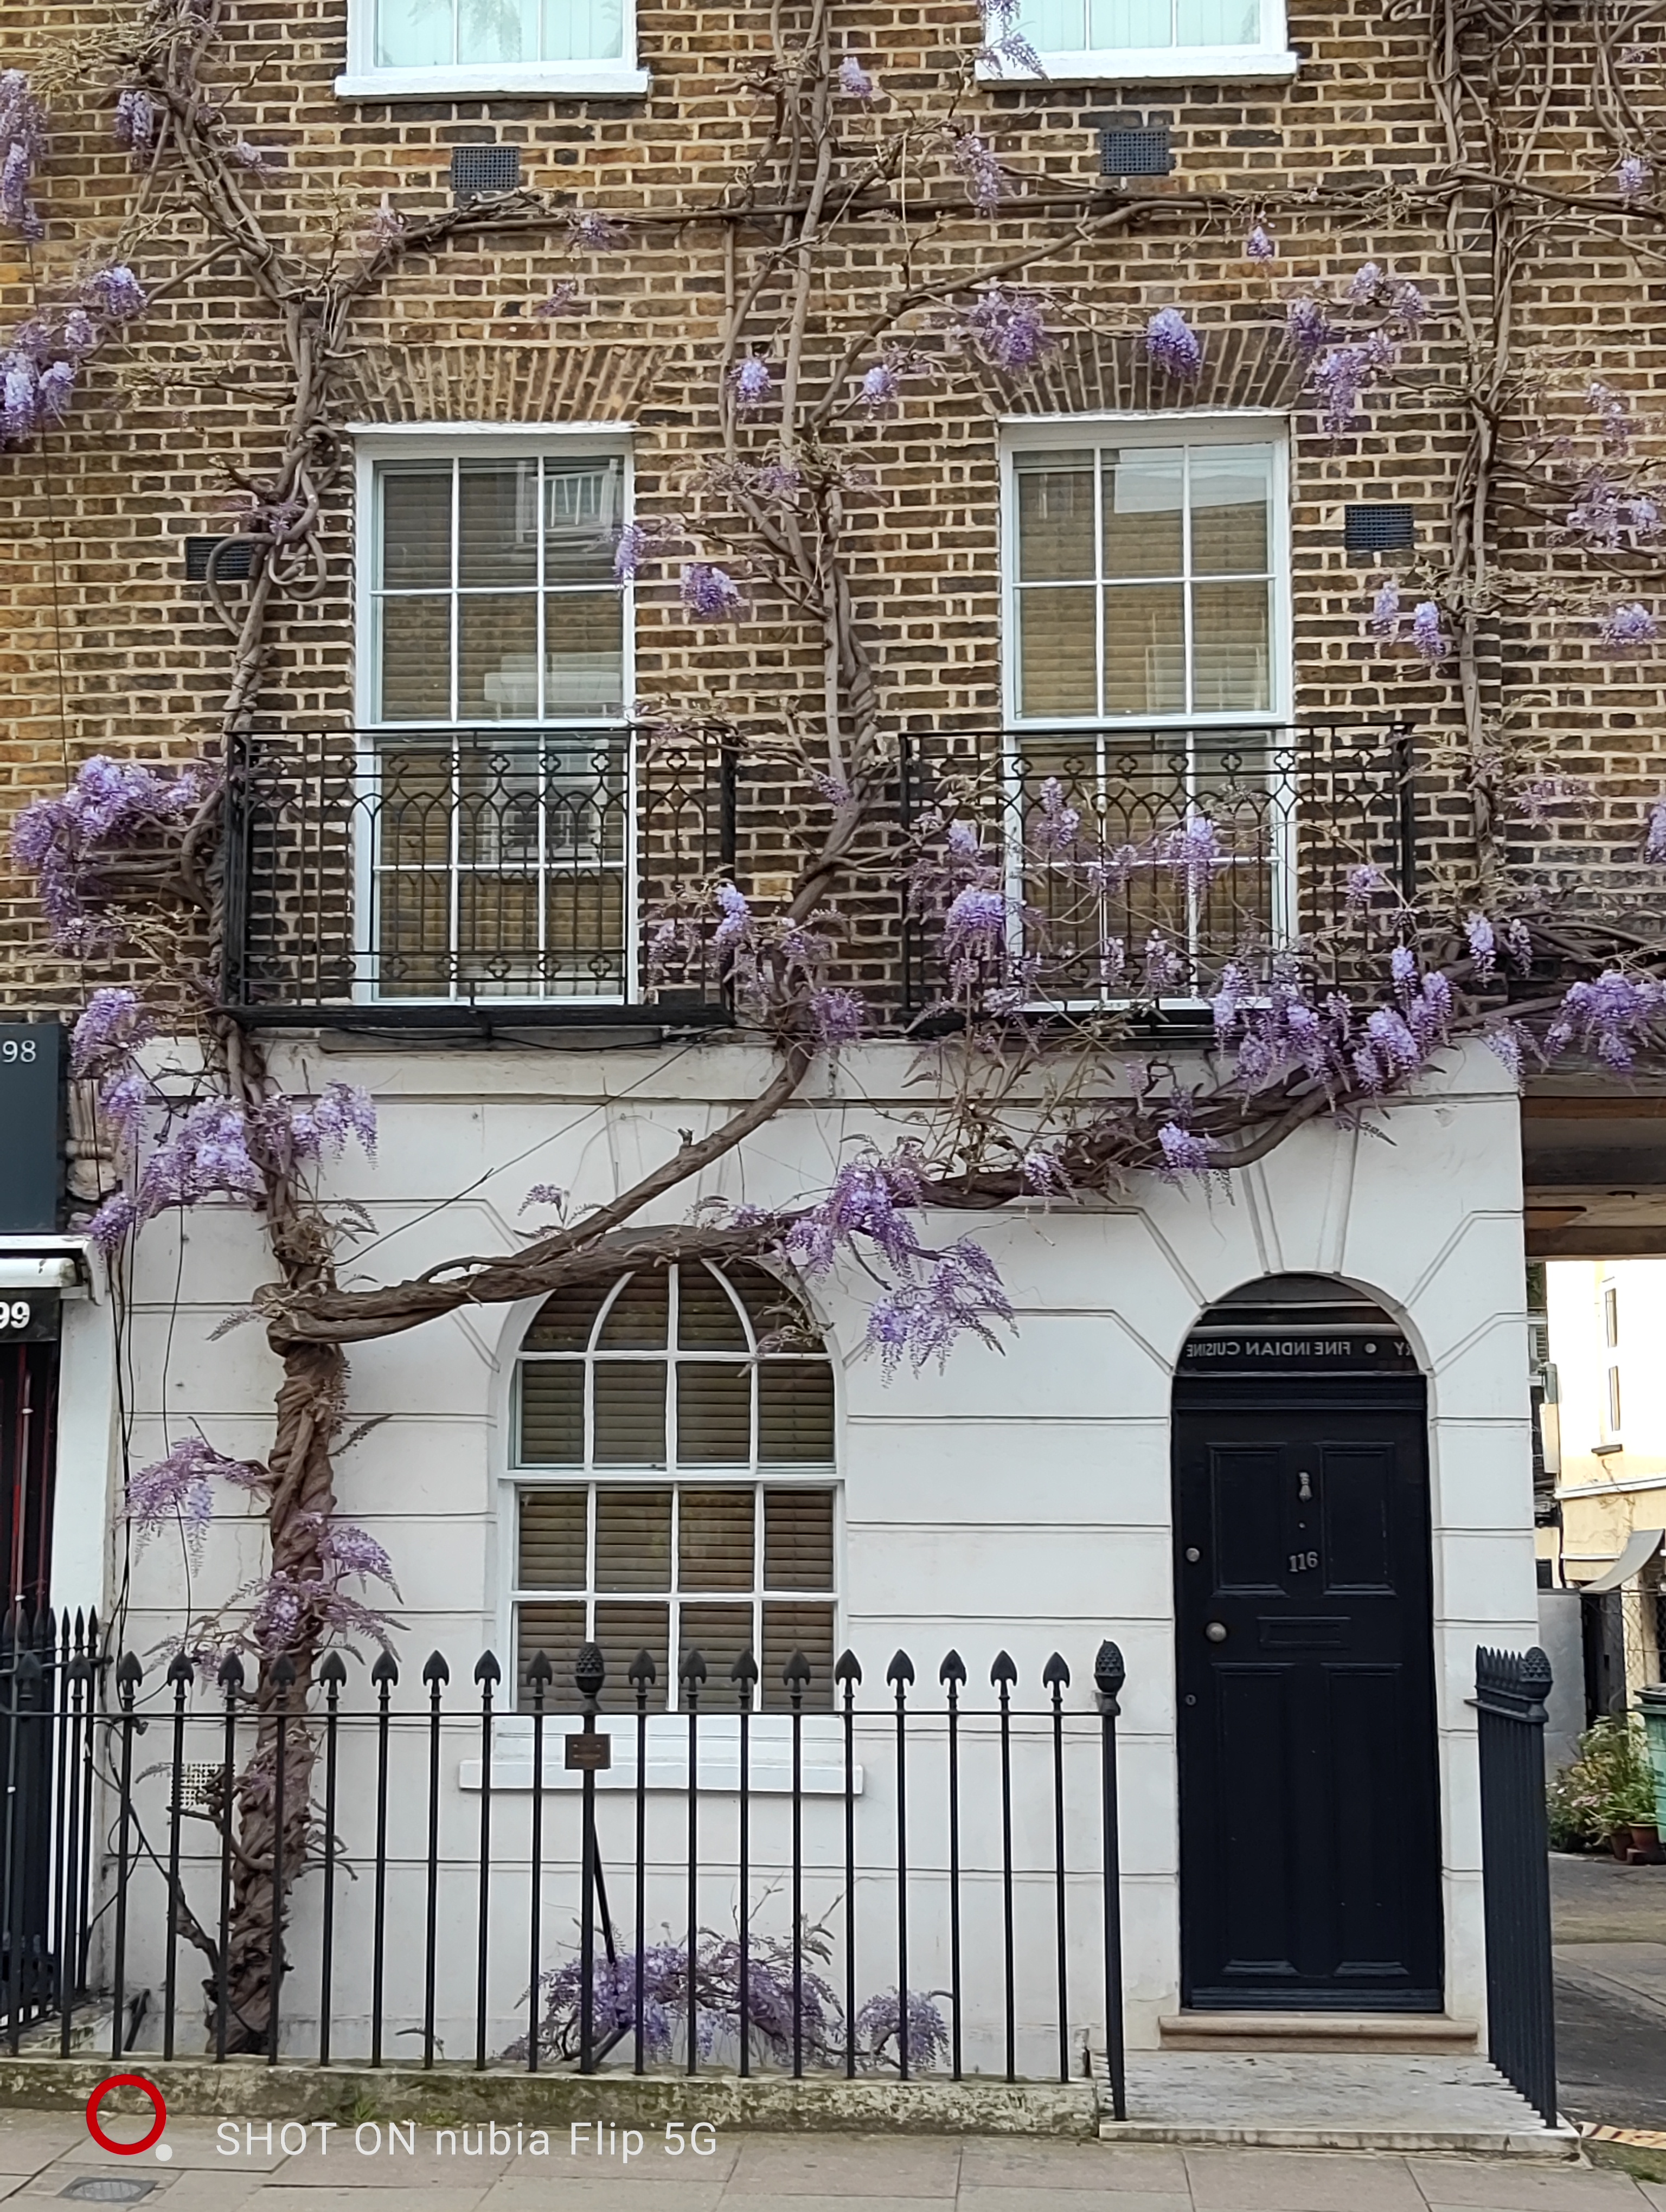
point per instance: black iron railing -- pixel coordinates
(1201, 845)
(49, 1695)
(1511, 1689)
(408, 874)
(888, 1877)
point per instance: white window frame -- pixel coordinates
(620, 79)
(1209, 426)
(375, 444)
(1270, 58)
(1203, 426)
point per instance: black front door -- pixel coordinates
(1308, 1819)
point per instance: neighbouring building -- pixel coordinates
(1274, 1437)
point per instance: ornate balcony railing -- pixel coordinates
(508, 877)
(1198, 844)
(424, 876)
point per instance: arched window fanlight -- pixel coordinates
(651, 1416)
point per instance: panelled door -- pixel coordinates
(1310, 1828)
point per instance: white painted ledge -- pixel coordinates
(1156, 65)
(770, 1767)
(568, 80)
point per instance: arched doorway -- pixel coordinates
(1310, 1858)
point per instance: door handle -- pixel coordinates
(1216, 1632)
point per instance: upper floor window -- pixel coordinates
(416, 48)
(1125, 39)
(1147, 576)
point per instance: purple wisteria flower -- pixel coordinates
(1260, 245)
(854, 82)
(1483, 944)
(114, 291)
(19, 399)
(1307, 326)
(1185, 1152)
(838, 1016)
(1339, 378)
(1363, 885)
(1004, 46)
(1429, 640)
(750, 385)
(1366, 287)
(1408, 307)
(1654, 842)
(122, 1099)
(206, 1155)
(592, 232)
(976, 160)
(630, 552)
(1628, 629)
(111, 805)
(54, 393)
(1613, 417)
(22, 149)
(1534, 796)
(710, 594)
(114, 1021)
(881, 389)
(113, 1222)
(1055, 824)
(321, 1128)
(736, 927)
(1173, 346)
(545, 1194)
(1632, 178)
(138, 118)
(1194, 853)
(564, 299)
(1610, 1018)
(1166, 970)
(1385, 611)
(974, 928)
(1044, 1174)
(880, 2030)
(1008, 328)
(1604, 516)
(1518, 944)
(179, 1488)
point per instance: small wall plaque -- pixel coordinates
(589, 1755)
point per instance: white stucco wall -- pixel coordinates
(1020, 1500)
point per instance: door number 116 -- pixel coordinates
(1301, 1561)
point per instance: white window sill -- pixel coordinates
(568, 80)
(1155, 65)
(769, 1764)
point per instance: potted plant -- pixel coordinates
(1607, 1790)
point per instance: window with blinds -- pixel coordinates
(685, 1379)
(434, 33)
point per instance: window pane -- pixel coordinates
(798, 1539)
(414, 33)
(639, 1316)
(581, 520)
(713, 1415)
(1229, 646)
(497, 523)
(623, 1630)
(583, 30)
(584, 641)
(706, 1317)
(497, 648)
(565, 1322)
(1144, 650)
(790, 1628)
(1056, 26)
(584, 933)
(414, 819)
(1230, 497)
(557, 1631)
(719, 1633)
(1055, 517)
(553, 1416)
(1132, 23)
(1144, 495)
(715, 1534)
(633, 1539)
(415, 532)
(1218, 23)
(416, 659)
(795, 1411)
(554, 1541)
(1055, 653)
(497, 31)
(630, 1416)
(777, 1315)
(497, 934)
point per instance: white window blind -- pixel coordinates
(438, 34)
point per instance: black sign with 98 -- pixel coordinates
(31, 1126)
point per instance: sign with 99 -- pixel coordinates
(28, 1317)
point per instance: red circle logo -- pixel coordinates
(125, 2081)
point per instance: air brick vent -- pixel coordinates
(231, 568)
(479, 170)
(1135, 152)
(1378, 529)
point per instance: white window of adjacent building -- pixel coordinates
(1611, 1402)
(413, 49)
(1126, 39)
(1147, 573)
(496, 777)
(674, 1484)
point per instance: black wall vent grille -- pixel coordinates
(1135, 152)
(231, 568)
(476, 170)
(1378, 529)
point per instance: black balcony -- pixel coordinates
(474, 879)
(1314, 830)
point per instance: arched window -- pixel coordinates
(668, 1432)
